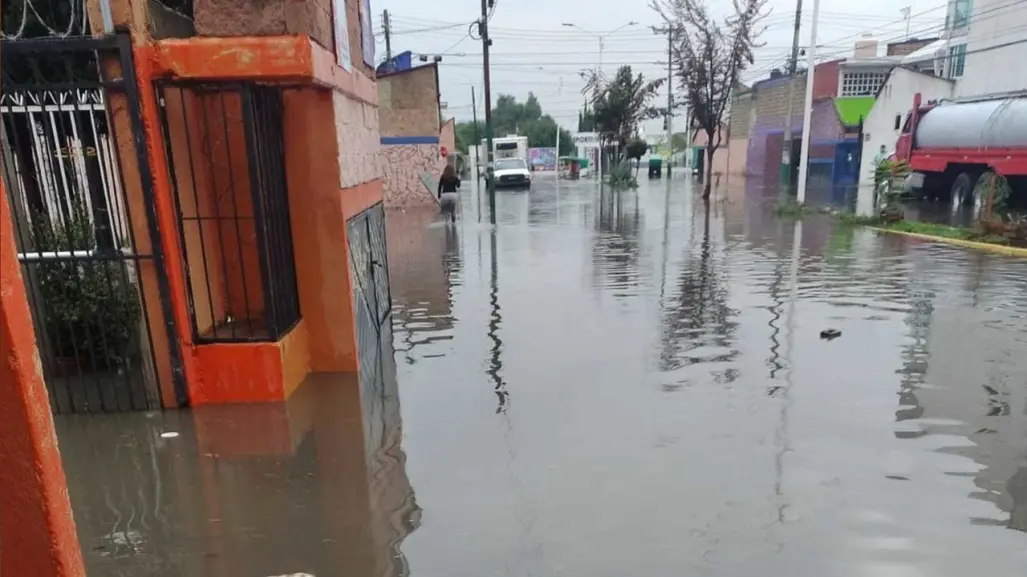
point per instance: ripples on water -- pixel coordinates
(622, 382)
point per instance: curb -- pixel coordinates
(995, 248)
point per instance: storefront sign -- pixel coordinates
(586, 139)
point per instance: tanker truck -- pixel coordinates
(951, 144)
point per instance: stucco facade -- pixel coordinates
(894, 101)
(411, 135)
(995, 48)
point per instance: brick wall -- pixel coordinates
(741, 111)
(267, 18)
(825, 79)
(408, 102)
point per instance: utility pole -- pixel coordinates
(786, 141)
(669, 120)
(477, 140)
(670, 100)
(477, 158)
(807, 111)
(907, 13)
(483, 30)
(387, 28)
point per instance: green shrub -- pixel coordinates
(622, 177)
(91, 309)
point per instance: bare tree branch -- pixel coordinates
(708, 55)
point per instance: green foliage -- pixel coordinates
(680, 141)
(856, 219)
(91, 308)
(621, 104)
(512, 117)
(889, 175)
(622, 177)
(636, 149)
(993, 189)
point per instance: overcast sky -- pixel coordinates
(533, 52)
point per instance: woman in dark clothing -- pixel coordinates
(448, 197)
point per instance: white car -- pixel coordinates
(512, 172)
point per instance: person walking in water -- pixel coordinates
(448, 197)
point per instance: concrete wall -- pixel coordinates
(402, 167)
(770, 106)
(408, 102)
(894, 102)
(990, 68)
(447, 136)
(733, 152)
(359, 143)
(411, 135)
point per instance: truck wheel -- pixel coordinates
(963, 190)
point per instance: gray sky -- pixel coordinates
(533, 52)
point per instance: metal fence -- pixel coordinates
(369, 277)
(89, 252)
(227, 166)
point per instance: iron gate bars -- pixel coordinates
(87, 241)
(227, 165)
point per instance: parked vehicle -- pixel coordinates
(951, 145)
(655, 167)
(512, 172)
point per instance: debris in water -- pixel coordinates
(830, 334)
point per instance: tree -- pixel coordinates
(709, 56)
(512, 117)
(635, 150)
(621, 104)
(465, 134)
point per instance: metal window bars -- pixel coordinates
(226, 158)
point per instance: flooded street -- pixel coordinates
(603, 385)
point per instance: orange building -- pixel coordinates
(214, 183)
(192, 214)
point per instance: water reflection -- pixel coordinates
(317, 485)
(425, 267)
(640, 349)
(698, 326)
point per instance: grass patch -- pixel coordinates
(945, 231)
(856, 219)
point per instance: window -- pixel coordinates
(957, 60)
(862, 83)
(898, 121)
(961, 13)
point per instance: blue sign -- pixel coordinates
(366, 33)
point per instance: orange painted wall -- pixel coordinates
(319, 228)
(37, 531)
(252, 372)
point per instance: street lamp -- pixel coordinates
(600, 36)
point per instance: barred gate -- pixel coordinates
(88, 252)
(369, 278)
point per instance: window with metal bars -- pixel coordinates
(226, 159)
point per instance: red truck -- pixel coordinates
(951, 144)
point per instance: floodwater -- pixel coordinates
(605, 385)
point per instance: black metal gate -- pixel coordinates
(372, 300)
(87, 240)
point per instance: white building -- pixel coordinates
(884, 123)
(983, 50)
(993, 58)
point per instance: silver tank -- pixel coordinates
(977, 125)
